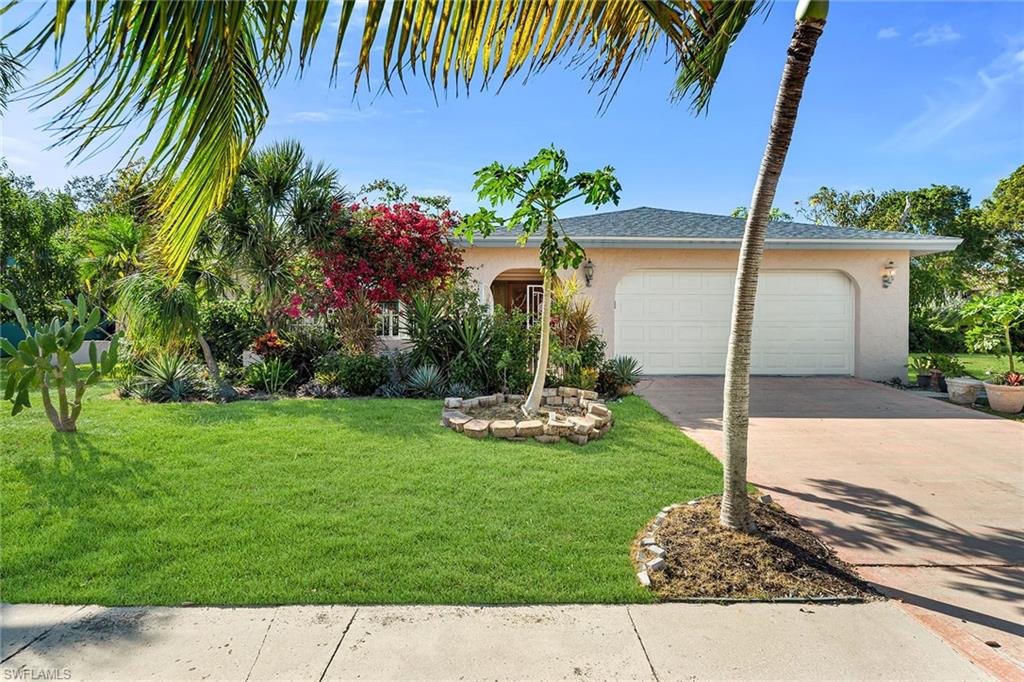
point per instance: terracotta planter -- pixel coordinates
(935, 380)
(1009, 399)
(963, 390)
(624, 390)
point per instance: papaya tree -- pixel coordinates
(44, 359)
(537, 189)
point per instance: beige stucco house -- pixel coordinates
(831, 300)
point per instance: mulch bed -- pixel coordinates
(779, 560)
(512, 411)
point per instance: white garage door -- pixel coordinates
(677, 321)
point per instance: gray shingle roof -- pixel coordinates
(663, 223)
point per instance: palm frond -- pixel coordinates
(194, 73)
(715, 26)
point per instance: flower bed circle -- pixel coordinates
(575, 414)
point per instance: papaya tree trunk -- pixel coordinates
(735, 511)
(537, 388)
(1009, 346)
(226, 390)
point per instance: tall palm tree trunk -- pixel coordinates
(735, 512)
(537, 388)
(226, 390)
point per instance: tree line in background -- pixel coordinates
(989, 261)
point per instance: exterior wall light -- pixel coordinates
(888, 274)
(588, 272)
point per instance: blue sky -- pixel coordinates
(900, 95)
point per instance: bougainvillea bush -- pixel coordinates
(388, 252)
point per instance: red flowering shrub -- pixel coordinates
(387, 252)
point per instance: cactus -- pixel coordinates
(44, 360)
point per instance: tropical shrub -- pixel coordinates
(1006, 379)
(305, 342)
(991, 320)
(167, 377)
(271, 375)
(43, 359)
(426, 381)
(230, 327)
(357, 325)
(385, 253)
(269, 345)
(361, 374)
(513, 348)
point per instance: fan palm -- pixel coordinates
(199, 72)
(280, 203)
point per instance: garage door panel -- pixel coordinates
(678, 322)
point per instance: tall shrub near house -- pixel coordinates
(538, 189)
(385, 253)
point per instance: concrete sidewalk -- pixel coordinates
(659, 642)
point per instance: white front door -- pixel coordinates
(677, 321)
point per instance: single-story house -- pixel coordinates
(831, 300)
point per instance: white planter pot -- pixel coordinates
(1009, 399)
(963, 390)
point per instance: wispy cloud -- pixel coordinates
(964, 100)
(936, 34)
(332, 115)
(888, 33)
(309, 117)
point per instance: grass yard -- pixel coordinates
(978, 363)
(347, 501)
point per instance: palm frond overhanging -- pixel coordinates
(198, 71)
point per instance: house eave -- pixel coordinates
(916, 247)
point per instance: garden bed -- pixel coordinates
(575, 414)
(685, 554)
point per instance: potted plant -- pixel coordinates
(1006, 392)
(625, 374)
(945, 366)
(963, 390)
(919, 365)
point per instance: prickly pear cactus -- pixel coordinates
(43, 360)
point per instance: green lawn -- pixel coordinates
(978, 363)
(347, 501)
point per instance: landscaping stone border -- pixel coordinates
(551, 428)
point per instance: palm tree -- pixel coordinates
(10, 75)
(158, 311)
(200, 71)
(280, 204)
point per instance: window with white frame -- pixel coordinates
(389, 321)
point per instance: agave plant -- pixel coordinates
(625, 372)
(426, 381)
(168, 378)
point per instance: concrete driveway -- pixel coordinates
(926, 497)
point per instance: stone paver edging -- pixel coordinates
(550, 428)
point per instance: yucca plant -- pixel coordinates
(44, 360)
(426, 381)
(168, 377)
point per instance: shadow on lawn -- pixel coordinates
(79, 474)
